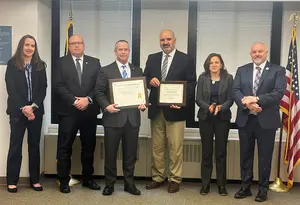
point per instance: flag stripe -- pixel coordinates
(290, 106)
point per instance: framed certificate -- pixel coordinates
(172, 93)
(128, 92)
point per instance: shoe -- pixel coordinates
(12, 190)
(108, 190)
(91, 184)
(261, 196)
(222, 190)
(243, 193)
(173, 187)
(154, 184)
(204, 190)
(64, 188)
(37, 188)
(130, 188)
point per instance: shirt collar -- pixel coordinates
(74, 58)
(120, 64)
(170, 54)
(262, 66)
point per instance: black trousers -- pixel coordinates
(210, 128)
(265, 143)
(18, 125)
(112, 136)
(67, 131)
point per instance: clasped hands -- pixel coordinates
(213, 108)
(112, 108)
(251, 103)
(81, 103)
(155, 83)
(28, 112)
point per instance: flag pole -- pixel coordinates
(278, 185)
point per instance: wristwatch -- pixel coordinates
(257, 98)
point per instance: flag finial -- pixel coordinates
(295, 17)
(71, 13)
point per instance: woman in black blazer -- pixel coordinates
(214, 101)
(26, 84)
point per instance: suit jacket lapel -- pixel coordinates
(85, 70)
(250, 74)
(132, 70)
(73, 70)
(264, 74)
(208, 85)
(22, 74)
(172, 66)
(116, 70)
(33, 80)
(158, 61)
(222, 85)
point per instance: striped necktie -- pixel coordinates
(164, 68)
(256, 80)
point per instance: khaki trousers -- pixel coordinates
(171, 134)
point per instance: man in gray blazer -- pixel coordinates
(119, 123)
(257, 90)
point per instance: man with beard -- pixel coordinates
(167, 123)
(257, 90)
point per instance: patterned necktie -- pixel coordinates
(78, 68)
(124, 73)
(256, 80)
(164, 68)
(28, 70)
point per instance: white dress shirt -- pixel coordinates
(170, 59)
(262, 67)
(80, 62)
(127, 68)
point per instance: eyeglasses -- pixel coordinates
(76, 43)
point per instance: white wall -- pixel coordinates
(23, 17)
(44, 43)
(153, 22)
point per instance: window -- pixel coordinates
(230, 28)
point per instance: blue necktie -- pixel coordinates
(124, 73)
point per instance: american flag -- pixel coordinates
(290, 107)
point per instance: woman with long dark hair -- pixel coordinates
(214, 101)
(26, 84)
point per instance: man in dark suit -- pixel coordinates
(257, 90)
(167, 123)
(74, 83)
(119, 124)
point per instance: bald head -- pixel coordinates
(259, 53)
(167, 40)
(76, 45)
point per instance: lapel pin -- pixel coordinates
(86, 62)
(267, 68)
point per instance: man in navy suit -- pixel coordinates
(257, 90)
